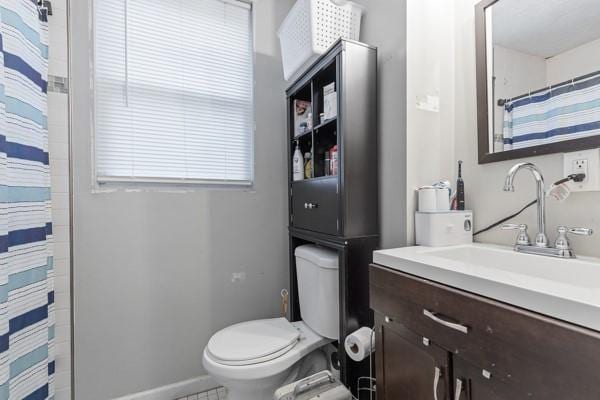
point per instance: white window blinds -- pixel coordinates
(173, 91)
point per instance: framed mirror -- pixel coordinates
(538, 77)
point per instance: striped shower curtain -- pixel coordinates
(568, 112)
(26, 271)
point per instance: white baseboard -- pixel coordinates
(175, 390)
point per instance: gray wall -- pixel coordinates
(384, 26)
(153, 269)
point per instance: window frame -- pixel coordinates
(100, 184)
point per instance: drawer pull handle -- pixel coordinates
(448, 324)
(436, 381)
(310, 206)
(459, 389)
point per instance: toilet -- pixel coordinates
(253, 359)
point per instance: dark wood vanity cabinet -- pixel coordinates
(477, 348)
(427, 371)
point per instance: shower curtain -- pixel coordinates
(26, 271)
(571, 111)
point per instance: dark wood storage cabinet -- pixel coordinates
(478, 348)
(338, 211)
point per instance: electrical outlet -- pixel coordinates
(583, 162)
(580, 166)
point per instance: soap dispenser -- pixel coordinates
(298, 164)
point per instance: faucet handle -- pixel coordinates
(523, 237)
(562, 241)
(581, 231)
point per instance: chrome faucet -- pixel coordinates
(541, 239)
(562, 247)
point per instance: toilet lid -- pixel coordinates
(253, 341)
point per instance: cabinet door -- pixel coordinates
(473, 383)
(408, 367)
(315, 205)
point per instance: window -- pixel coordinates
(173, 91)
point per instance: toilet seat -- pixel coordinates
(308, 341)
(253, 342)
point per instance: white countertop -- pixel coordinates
(566, 289)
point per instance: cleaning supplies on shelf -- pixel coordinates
(460, 189)
(308, 165)
(298, 164)
(333, 153)
(327, 164)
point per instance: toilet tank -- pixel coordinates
(318, 289)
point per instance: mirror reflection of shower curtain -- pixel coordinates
(564, 112)
(26, 263)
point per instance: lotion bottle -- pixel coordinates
(298, 164)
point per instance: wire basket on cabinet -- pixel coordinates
(312, 26)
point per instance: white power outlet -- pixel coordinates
(583, 162)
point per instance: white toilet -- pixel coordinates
(253, 359)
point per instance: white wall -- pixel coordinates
(153, 269)
(483, 182)
(58, 138)
(383, 26)
(430, 135)
(516, 73)
(573, 63)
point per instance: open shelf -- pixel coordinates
(315, 179)
(325, 123)
(302, 135)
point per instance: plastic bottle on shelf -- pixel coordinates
(334, 160)
(308, 165)
(298, 164)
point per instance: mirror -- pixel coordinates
(538, 77)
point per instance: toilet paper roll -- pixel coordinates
(360, 344)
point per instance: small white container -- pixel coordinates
(312, 26)
(447, 228)
(427, 199)
(433, 199)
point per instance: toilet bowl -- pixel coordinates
(255, 358)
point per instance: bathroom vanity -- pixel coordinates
(480, 322)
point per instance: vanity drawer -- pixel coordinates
(547, 358)
(315, 205)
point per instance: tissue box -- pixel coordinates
(329, 101)
(446, 228)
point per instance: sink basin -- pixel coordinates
(567, 289)
(578, 273)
